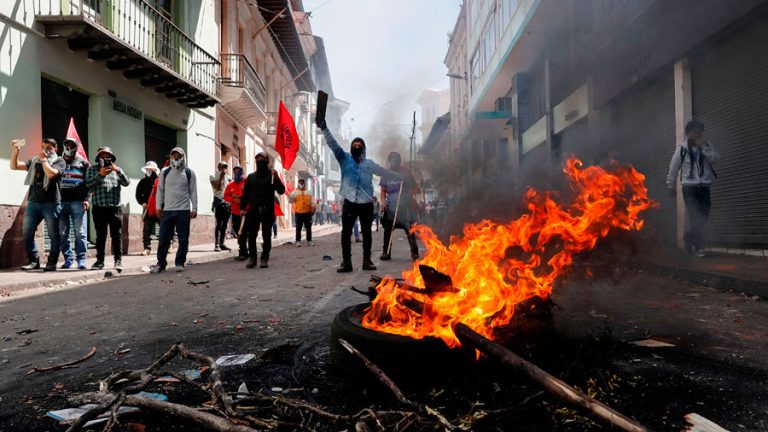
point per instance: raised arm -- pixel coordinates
(122, 178)
(338, 152)
(93, 177)
(15, 163)
(279, 186)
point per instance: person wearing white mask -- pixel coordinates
(143, 192)
(176, 206)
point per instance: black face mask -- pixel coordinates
(357, 152)
(262, 165)
(394, 163)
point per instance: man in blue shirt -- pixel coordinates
(357, 190)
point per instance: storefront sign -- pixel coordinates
(127, 109)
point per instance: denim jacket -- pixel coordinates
(356, 178)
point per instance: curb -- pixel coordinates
(86, 276)
(718, 281)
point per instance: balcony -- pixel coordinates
(271, 123)
(133, 37)
(243, 94)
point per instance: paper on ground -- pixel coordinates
(651, 343)
(232, 360)
(71, 414)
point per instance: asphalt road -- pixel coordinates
(223, 308)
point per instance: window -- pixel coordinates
(508, 8)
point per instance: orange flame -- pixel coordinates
(495, 266)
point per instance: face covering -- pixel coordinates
(69, 152)
(302, 186)
(262, 165)
(356, 152)
(177, 163)
(238, 176)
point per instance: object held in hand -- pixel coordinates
(322, 104)
(19, 143)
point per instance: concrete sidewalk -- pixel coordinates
(15, 281)
(725, 272)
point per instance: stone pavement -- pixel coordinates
(725, 272)
(14, 282)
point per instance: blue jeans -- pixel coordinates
(37, 212)
(73, 210)
(177, 220)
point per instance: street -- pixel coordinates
(717, 367)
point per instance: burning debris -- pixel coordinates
(493, 267)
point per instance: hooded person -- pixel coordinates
(75, 202)
(176, 206)
(105, 180)
(258, 206)
(357, 191)
(233, 194)
(143, 193)
(397, 200)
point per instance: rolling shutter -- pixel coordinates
(158, 142)
(730, 95)
(643, 134)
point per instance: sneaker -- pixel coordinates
(225, 247)
(67, 264)
(368, 265)
(118, 265)
(385, 257)
(81, 264)
(33, 264)
(357, 240)
(344, 267)
(146, 252)
(217, 248)
(241, 257)
(264, 263)
(179, 269)
(298, 243)
(157, 269)
(700, 253)
(311, 243)
(50, 267)
(98, 265)
(251, 263)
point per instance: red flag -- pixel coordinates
(278, 210)
(287, 139)
(72, 133)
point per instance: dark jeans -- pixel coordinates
(173, 220)
(260, 219)
(222, 213)
(112, 218)
(386, 222)
(242, 239)
(697, 204)
(149, 228)
(35, 213)
(349, 213)
(303, 220)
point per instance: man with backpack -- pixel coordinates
(693, 160)
(176, 206)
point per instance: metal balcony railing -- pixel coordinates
(237, 71)
(145, 30)
(271, 123)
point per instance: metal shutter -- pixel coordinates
(643, 134)
(59, 103)
(730, 95)
(158, 142)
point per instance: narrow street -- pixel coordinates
(282, 315)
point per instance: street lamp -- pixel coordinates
(457, 76)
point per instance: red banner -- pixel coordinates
(72, 133)
(286, 139)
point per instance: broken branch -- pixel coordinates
(66, 365)
(554, 386)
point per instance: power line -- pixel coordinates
(315, 9)
(391, 101)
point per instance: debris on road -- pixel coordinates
(27, 331)
(233, 360)
(651, 343)
(67, 365)
(196, 283)
(698, 423)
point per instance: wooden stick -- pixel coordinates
(394, 221)
(393, 387)
(554, 386)
(66, 365)
(204, 419)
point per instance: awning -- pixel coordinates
(287, 39)
(489, 124)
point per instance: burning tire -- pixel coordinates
(398, 356)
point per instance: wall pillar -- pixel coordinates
(683, 114)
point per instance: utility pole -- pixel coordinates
(413, 139)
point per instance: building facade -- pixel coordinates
(138, 76)
(606, 80)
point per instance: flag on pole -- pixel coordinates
(287, 139)
(72, 133)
